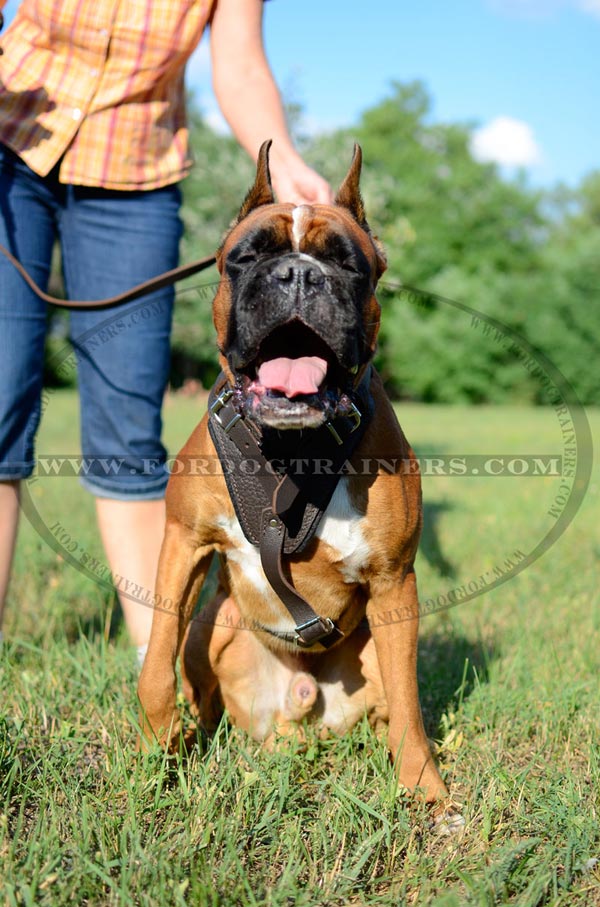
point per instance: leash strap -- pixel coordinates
(155, 283)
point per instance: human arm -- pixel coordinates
(250, 101)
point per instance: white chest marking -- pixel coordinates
(247, 557)
(341, 527)
(243, 553)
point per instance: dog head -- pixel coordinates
(295, 312)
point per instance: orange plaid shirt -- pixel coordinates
(98, 85)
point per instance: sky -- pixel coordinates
(524, 74)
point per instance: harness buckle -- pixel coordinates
(354, 415)
(312, 631)
(336, 437)
(218, 404)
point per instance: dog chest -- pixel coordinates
(341, 528)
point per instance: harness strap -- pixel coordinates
(251, 492)
(141, 289)
(310, 627)
(291, 506)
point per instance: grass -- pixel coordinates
(509, 685)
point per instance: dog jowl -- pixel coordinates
(316, 616)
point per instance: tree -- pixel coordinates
(451, 226)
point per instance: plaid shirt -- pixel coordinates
(97, 85)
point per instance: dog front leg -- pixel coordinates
(182, 570)
(393, 613)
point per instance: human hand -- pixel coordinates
(296, 182)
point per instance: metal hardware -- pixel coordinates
(336, 437)
(356, 415)
(218, 404)
(227, 428)
(220, 401)
(327, 627)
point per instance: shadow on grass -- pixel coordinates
(430, 545)
(448, 667)
(106, 620)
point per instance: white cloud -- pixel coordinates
(506, 141)
(590, 6)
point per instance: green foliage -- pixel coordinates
(569, 286)
(451, 226)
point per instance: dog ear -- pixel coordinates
(261, 192)
(349, 197)
(349, 192)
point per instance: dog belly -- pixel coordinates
(267, 693)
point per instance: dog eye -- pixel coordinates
(246, 257)
(348, 264)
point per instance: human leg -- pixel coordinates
(9, 522)
(27, 229)
(110, 242)
(132, 534)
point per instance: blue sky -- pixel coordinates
(527, 72)
(536, 62)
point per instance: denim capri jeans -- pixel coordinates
(109, 241)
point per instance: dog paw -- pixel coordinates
(447, 823)
(286, 737)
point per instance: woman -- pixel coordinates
(93, 145)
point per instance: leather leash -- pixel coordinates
(141, 289)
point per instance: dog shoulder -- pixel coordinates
(198, 504)
(343, 529)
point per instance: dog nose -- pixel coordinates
(302, 273)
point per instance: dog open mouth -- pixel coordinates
(295, 381)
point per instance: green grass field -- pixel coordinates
(509, 687)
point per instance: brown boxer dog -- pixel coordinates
(296, 320)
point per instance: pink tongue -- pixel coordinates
(293, 376)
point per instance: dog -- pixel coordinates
(296, 320)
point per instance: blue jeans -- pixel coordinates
(109, 241)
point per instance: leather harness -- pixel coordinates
(280, 500)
